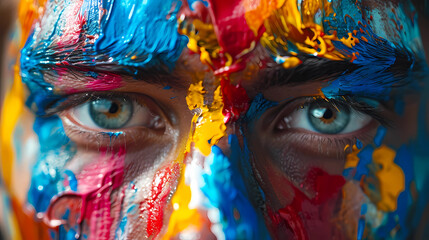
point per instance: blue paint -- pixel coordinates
(361, 222)
(71, 178)
(138, 29)
(131, 38)
(258, 106)
(399, 106)
(361, 228)
(381, 63)
(365, 158)
(167, 88)
(226, 190)
(112, 135)
(363, 209)
(69, 234)
(359, 144)
(131, 210)
(191, 2)
(379, 136)
(55, 151)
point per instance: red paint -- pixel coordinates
(235, 100)
(232, 31)
(309, 213)
(160, 190)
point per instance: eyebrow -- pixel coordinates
(377, 73)
(159, 75)
(310, 70)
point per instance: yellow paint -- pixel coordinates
(208, 120)
(28, 12)
(182, 217)
(12, 109)
(202, 37)
(387, 177)
(256, 13)
(291, 62)
(286, 24)
(350, 41)
(209, 124)
(195, 97)
(352, 159)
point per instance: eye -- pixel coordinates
(112, 113)
(325, 117)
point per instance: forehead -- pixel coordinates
(131, 36)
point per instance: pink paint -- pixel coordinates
(73, 26)
(105, 82)
(63, 83)
(102, 82)
(91, 204)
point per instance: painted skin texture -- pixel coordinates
(229, 120)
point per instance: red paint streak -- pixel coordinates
(306, 212)
(235, 100)
(294, 222)
(232, 31)
(160, 190)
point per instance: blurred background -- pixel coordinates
(8, 12)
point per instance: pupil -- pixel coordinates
(328, 114)
(113, 108)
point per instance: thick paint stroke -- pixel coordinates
(226, 190)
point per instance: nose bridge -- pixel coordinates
(213, 193)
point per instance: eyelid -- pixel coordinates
(77, 99)
(358, 104)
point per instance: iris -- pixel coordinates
(327, 118)
(111, 113)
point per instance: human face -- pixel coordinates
(230, 120)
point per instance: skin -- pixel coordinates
(287, 163)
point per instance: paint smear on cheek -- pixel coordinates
(160, 190)
(92, 203)
(321, 206)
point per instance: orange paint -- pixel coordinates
(183, 217)
(385, 181)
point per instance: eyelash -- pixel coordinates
(80, 98)
(358, 105)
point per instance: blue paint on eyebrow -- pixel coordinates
(382, 63)
(122, 36)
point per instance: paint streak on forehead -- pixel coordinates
(89, 33)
